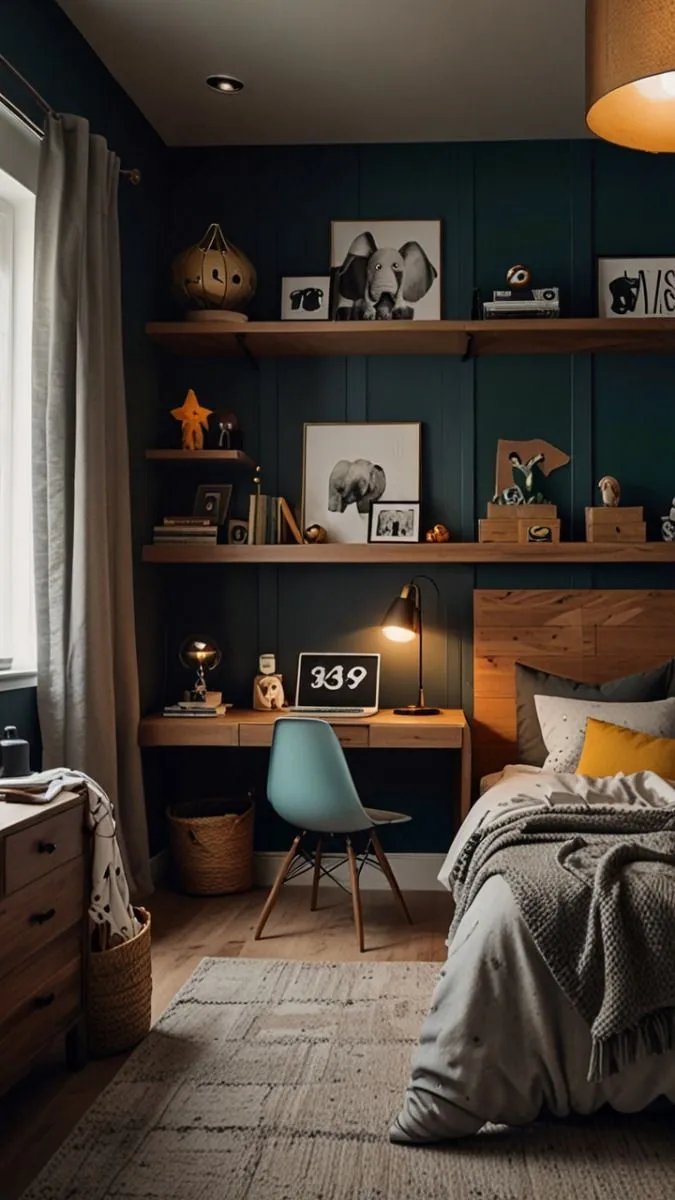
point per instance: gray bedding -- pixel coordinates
(502, 1040)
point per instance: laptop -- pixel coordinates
(337, 685)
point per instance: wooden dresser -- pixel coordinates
(43, 910)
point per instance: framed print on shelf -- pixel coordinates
(394, 521)
(348, 466)
(237, 532)
(213, 501)
(636, 287)
(305, 298)
(385, 270)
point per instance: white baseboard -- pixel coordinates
(414, 872)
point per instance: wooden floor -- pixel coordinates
(37, 1115)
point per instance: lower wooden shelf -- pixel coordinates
(422, 552)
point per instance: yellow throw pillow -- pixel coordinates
(609, 749)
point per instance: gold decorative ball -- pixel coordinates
(315, 534)
(438, 533)
(519, 276)
(213, 274)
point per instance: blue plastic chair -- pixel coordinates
(309, 784)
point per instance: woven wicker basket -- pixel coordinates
(212, 845)
(119, 993)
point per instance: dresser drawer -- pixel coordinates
(35, 915)
(37, 984)
(42, 1015)
(33, 852)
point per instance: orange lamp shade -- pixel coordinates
(630, 72)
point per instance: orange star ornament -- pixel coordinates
(194, 420)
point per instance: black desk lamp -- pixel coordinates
(401, 623)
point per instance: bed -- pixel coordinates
(502, 1042)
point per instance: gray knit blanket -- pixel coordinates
(596, 890)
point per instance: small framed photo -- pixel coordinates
(305, 298)
(636, 287)
(237, 533)
(213, 501)
(394, 521)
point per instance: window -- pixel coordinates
(17, 215)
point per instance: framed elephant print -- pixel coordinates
(347, 467)
(386, 270)
(305, 298)
(636, 287)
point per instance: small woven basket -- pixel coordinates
(119, 993)
(212, 845)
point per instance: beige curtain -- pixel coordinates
(87, 670)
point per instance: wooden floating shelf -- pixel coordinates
(321, 339)
(200, 456)
(422, 552)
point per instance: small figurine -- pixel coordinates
(519, 276)
(610, 490)
(228, 434)
(438, 533)
(268, 687)
(194, 420)
(315, 534)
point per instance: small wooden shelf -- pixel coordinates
(321, 339)
(450, 552)
(200, 456)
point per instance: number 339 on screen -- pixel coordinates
(335, 678)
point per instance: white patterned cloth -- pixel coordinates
(563, 724)
(109, 902)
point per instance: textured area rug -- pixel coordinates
(279, 1080)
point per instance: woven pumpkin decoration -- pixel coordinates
(213, 274)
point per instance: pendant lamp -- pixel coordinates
(630, 72)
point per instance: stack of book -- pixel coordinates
(271, 521)
(194, 708)
(188, 530)
(523, 302)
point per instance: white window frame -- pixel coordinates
(19, 153)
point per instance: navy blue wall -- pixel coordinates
(553, 205)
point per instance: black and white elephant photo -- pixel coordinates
(350, 467)
(385, 270)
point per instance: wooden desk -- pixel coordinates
(385, 731)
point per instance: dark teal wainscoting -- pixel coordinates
(553, 205)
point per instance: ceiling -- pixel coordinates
(345, 70)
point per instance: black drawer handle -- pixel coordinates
(46, 847)
(41, 918)
(45, 1001)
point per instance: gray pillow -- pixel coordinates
(656, 684)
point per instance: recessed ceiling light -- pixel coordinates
(225, 83)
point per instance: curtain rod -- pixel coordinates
(134, 175)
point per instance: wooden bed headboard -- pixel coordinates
(583, 634)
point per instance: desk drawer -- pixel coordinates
(39, 913)
(40, 849)
(261, 735)
(410, 737)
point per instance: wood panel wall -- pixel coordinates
(591, 635)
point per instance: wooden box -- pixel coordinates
(497, 529)
(540, 533)
(514, 512)
(616, 525)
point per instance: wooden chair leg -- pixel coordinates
(317, 875)
(388, 873)
(277, 886)
(356, 895)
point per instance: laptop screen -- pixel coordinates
(338, 680)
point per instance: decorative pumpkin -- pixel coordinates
(213, 274)
(438, 533)
(315, 534)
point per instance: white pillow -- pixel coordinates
(563, 724)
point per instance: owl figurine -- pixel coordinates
(610, 490)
